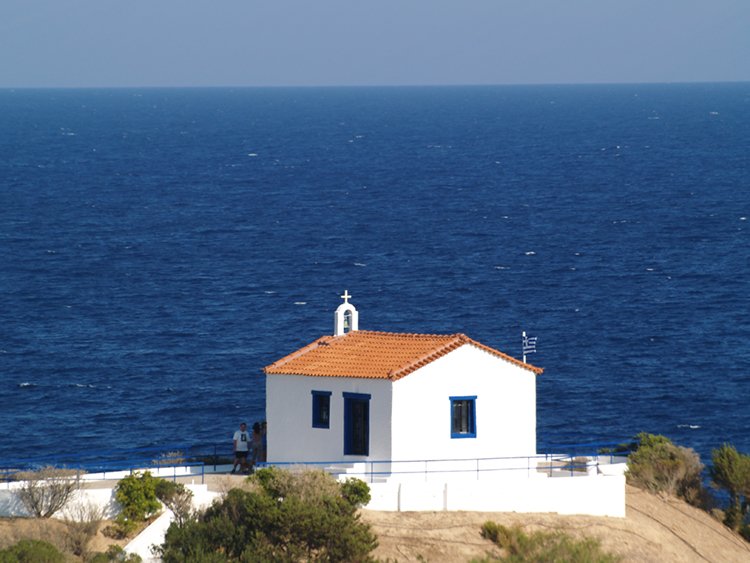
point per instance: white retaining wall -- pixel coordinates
(595, 495)
(103, 498)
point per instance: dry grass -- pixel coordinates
(53, 531)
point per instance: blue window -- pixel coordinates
(464, 417)
(321, 409)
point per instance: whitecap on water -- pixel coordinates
(360, 264)
(252, 154)
(300, 302)
(530, 253)
(502, 267)
(691, 426)
(27, 384)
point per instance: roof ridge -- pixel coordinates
(323, 340)
(415, 334)
(457, 340)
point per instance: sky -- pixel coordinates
(153, 43)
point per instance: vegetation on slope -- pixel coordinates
(305, 516)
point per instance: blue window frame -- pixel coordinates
(464, 417)
(321, 409)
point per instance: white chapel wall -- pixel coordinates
(505, 408)
(291, 436)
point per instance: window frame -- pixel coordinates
(317, 421)
(471, 401)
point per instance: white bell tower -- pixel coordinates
(346, 318)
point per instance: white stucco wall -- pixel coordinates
(291, 436)
(505, 408)
(593, 495)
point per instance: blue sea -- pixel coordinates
(158, 247)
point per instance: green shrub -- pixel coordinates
(115, 554)
(31, 551)
(356, 492)
(658, 465)
(290, 517)
(136, 494)
(731, 472)
(518, 546)
(309, 484)
(177, 498)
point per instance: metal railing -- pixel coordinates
(105, 462)
(575, 459)
(578, 460)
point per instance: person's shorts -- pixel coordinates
(240, 455)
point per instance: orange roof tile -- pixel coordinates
(376, 355)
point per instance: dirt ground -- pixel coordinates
(655, 530)
(50, 530)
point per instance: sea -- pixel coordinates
(159, 247)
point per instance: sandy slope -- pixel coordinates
(655, 530)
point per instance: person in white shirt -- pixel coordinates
(241, 443)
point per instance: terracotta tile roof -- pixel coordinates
(376, 355)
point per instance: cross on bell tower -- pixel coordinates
(346, 318)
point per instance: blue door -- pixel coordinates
(356, 424)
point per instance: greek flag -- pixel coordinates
(529, 344)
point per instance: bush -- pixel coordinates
(289, 517)
(356, 492)
(136, 494)
(660, 466)
(518, 546)
(115, 554)
(81, 528)
(177, 498)
(46, 491)
(31, 551)
(731, 472)
(170, 458)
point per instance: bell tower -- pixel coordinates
(346, 318)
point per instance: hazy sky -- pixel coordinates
(362, 42)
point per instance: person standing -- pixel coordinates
(257, 444)
(241, 441)
(264, 448)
